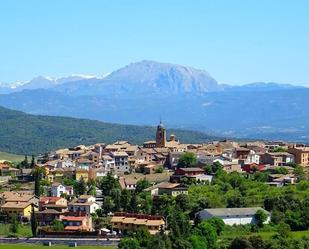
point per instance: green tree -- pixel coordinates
(161, 241)
(260, 217)
(280, 149)
(163, 206)
(24, 164)
(80, 187)
(179, 224)
(208, 232)
(183, 202)
(240, 243)
(257, 242)
(108, 183)
(277, 216)
(143, 236)
(217, 223)
(282, 170)
(208, 169)
(299, 172)
(134, 203)
(14, 228)
(38, 174)
(129, 243)
(198, 242)
(187, 159)
(141, 185)
(283, 230)
(108, 205)
(181, 243)
(69, 182)
(159, 170)
(116, 195)
(34, 223)
(216, 167)
(125, 200)
(145, 203)
(57, 225)
(91, 185)
(260, 176)
(32, 164)
(235, 200)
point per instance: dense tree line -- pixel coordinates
(181, 234)
(289, 206)
(116, 199)
(22, 133)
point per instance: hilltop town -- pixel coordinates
(112, 190)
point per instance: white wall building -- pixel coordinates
(57, 189)
(253, 158)
(65, 163)
(233, 216)
(85, 204)
(108, 163)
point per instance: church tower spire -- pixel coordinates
(161, 135)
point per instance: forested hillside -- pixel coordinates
(22, 133)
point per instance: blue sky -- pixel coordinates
(235, 41)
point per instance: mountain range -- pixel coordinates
(141, 93)
(40, 82)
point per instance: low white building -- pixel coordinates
(65, 163)
(233, 216)
(252, 158)
(57, 190)
(108, 163)
(85, 204)
(204, 178)
(174, 159)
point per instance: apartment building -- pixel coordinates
(301, 155)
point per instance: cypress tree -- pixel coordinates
(32, 165)
(34, 224)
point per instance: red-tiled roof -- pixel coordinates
(49, 199)
(73, 218)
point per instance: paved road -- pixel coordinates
(63, 241)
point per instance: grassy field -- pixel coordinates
(11, 157)
(230, 235)
(296, 235)
(26, 246)
(23, 231)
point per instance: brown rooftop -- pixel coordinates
(16, 205)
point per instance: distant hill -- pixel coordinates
(40, 82)
(22, 133)
(145, 77)
(140, 93)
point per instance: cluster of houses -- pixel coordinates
(75, 215)
(153, 157)
(122, 157)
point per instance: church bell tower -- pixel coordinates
(161, 135)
